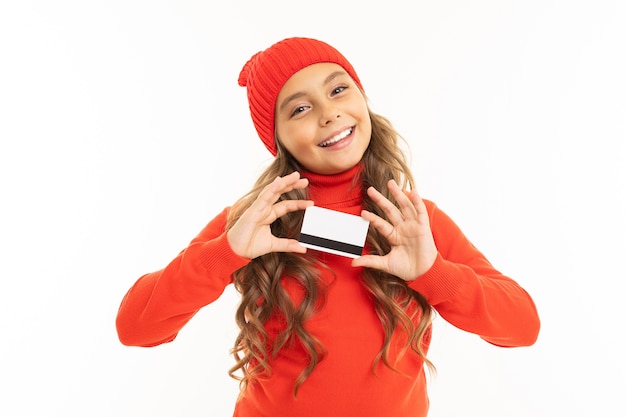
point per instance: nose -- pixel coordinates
(329, 114)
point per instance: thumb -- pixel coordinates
(370, 261)
(287, 245)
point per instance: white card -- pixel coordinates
(333, 232)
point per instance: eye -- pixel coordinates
(338, 90)
(298, 110)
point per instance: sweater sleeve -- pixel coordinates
(469, 293)
(160, 303)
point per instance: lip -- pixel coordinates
(342, 143)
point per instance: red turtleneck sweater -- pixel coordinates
(462, 286)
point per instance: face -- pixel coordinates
(322, 119)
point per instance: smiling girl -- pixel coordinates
(323, 334)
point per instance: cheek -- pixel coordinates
(366, 126)
(291, 139)
(298, 135)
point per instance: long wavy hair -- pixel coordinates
(263, 294)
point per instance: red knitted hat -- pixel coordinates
(267, 71)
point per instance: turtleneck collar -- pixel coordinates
(340, 192)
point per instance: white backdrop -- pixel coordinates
(123, 131)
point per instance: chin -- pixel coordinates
(340, 170)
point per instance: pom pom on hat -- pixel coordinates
(267, 71)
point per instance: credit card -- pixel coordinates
(333, 232)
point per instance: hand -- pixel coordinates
(251, 236)
(413, 249)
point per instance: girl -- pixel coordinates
(322, 334)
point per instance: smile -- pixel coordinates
(337, 138)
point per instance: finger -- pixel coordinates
(370, 261)
(287, 245)
(420, 208)
(392, 212)
(418, 203)
(270, 194)
(407, 206)
(378, 223)
(288, 206)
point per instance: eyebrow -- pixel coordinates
(299, 94)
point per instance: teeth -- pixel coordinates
(336, 138)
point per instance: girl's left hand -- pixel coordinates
(413, 249)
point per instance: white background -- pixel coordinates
(123, 131)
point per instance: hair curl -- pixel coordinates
(264, 295)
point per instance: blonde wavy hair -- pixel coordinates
(264, 296)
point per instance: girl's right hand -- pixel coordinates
(251, 236)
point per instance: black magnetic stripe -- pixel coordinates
(331, 244)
